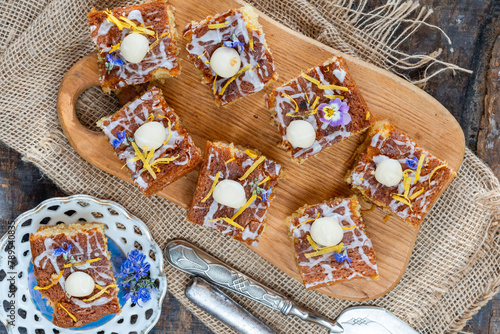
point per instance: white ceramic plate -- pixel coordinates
(22, 308)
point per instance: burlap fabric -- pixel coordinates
(455, 267)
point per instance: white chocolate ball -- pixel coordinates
(327, 231)
(225, 62)
(79, 284)
(134, 47)
(389, 172)
(300, 134)
(150, 134)
(230, 193)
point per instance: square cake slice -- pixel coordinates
(353, 258)
(421, 176)
(61, 250)
(152, 167)
(152, 24)
(243, 183)
(327, 98)
(238, 29)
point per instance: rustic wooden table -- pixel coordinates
(473, 27)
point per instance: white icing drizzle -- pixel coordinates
(323, 263)
(283, 105)
(130, 74)
(250, 81)
(136, 114)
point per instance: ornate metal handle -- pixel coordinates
(188, 258)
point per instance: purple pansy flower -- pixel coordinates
(112, 61)
(335, 113)
(412, 163)
(341, 257)
(122, 138)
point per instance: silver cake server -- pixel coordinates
(188, 258)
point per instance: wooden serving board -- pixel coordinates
(247, 123)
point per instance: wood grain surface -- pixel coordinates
(247, 123)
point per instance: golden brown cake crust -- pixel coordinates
(202, 43)
(219, 158)
(324, 269)
(305, 93)
(384, 141)
(160, 62)
(180, 144)
(87, 241)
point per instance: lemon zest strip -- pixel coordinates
(69, 313)
(345, 89)
(367, 115)
(145, 160)
(251, 154)
(307, 98)
(216, 179)
(291, 100)
(419, 168)
(402, 200)
(100, 293)
(163, 161)
(51, 284)
(325, 250)
(81, 263)
(169, 130)
(348, 228)
(314, 81)
(311, 241)
(243, 208)
(267, 178)
(434, 170)
(246, 68)
(155, 43)
(218, 25)
(251, 169)
(233, 158)
(113, 19)
(100, 288)
(305, 221)
(202, 54)
(215, 80)
(150, 118)
(114, 48)
(416, 194)
(229, 221)
(333, 97)
(316, 100)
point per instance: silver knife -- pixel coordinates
(188, 258)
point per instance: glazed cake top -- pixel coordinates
(120, 129)
(324, 269)
(155, 16)
(83, 242)
(257, 63)
(299, 99)
(383, 142)
(232, 164)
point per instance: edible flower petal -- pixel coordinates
(335, 113)
(412, 163)
(341, 257)
(121, 139)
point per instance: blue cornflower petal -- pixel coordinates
(412, 163)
